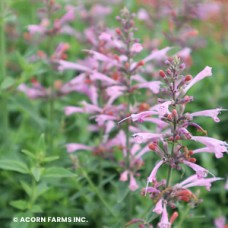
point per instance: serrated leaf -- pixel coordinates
(36, 172)
(19, 204)
(13, 165)
(57, 172)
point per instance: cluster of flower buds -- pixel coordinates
(169, 144)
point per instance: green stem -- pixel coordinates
(96, 190)
(183, 217)
(3, 95)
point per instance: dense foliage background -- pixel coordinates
(38, 176)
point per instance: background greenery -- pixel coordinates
(37, 183)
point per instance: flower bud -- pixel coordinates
(188, 78)
(118, 31)
(162, 74)
(193, 160)
(152, 146)
(173, 217)
(174, 113)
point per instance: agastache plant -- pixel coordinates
(170, 144)
(110, 79)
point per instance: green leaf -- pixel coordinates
(19, 204)
(36, 209)
(26, 187)
(8, 82)
(40, 189)
(30, 154)
(41, 143)
(36, 172)
(57, 172)
(14, 165)
(51, 158)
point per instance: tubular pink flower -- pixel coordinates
(118, 140)
(153, 173)
(71, 147)
(213, 113)
(206, 182)
(105, 36)
(136, 47)
(69, 110)
(69, 16)
(114, 92)
(157, 55)
(161, 124)
(101, 119)
(65, 65)
(220, 222)
(206, 72)
(133, 184)
(200, 171)
(99, 76)
(194, 181)
(141, 116)
(162, 108)
(90, 108)
(124, 176)
(215, 145)
(144, 137)
(158, 208)
(153, 86)
(164, 222)
(33, 92)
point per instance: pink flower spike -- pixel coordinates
(213, 113)
(124, 176)
(133, 184)
(144, 137)
(69, 110)
(158, 208)
(206, 72)
(215, 145)
(136, 47)
(200, 171)
(164, 222)
(153, 173)
(71, 147)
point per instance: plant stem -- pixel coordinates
(183, 217)
(95, 189)
(169, 177)
(3, 95)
